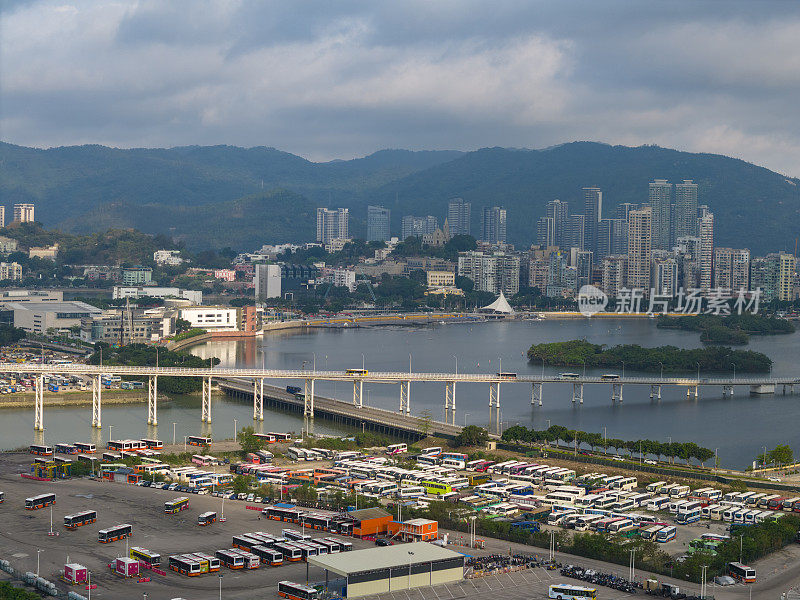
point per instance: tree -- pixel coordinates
(425, 421)
(241, 483)
(781, 455)
(248, 441)
(471, 435)
(182, 325)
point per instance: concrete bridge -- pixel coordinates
(357, 377)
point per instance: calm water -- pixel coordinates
(739, 427)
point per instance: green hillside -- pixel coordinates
(227, 196)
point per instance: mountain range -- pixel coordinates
(217, 196)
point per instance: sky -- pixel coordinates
(343, 79)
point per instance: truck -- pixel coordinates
(532, 526)
(293, 389)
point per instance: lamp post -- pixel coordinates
(409, 363)
(184, 442)
(465, 419)
(662, 369)
(410, 554)
(363, 361)
(623, 369)
(454, 356)
(698, 372)
(37, 561)
(734, 372)
(110, 427)
(220, 586)
(173, 432)
(584, 368)
(235, 428)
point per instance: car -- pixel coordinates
(140, 483)
(383, 542)
(172, 487)
(195, 490)
(202, 491)
(241, 496)
(147, 483)
(774, 479)
(258, 499)
(250, 497)
(617, 458)
(650, 461)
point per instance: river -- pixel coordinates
(739, 427)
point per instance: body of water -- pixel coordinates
(739, 427)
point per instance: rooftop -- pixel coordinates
(371, 559)
(365, 514)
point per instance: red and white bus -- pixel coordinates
(153, 444)
(64, 448)
(112, 534)
(198, 440)
(80, 519)
(297, 591)
(41, 450)
(39, 501)
(742, 572)
(85, 448)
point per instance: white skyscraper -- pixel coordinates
(332, 224)
(268, 281)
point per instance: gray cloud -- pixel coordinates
(325, 79)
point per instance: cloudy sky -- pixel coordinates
(336, 79)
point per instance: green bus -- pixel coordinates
(436, 489)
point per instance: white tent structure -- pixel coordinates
(499, 306)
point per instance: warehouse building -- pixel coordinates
(389, 569)
(369, 521)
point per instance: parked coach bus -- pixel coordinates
(297, 591)
(66, 449)
(39, 501)
(85, 448)
(197, 440)
(80, 519)
(112, 534)
(185, 566)
(176, 505)
(41, 450)
(153, 444)
(230, 559)
(566, 591)
(151, 559)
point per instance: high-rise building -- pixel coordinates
(621, 212)
(378, 224)
(459, 215)
(267, 281)
(546, 232)
(664, 274)
(576, 232)
(332, 224)
(732, 269)
(685, 208)
(705, 260)
(593, 213)
(493, 230)
(639, 249)
(23, 213)
(786, 271)
(687, 253)
(2, 216)
(559, 212)
(612, 237)
(562, 279)
(491, 272)
(419, 226)
(615, 267)
(584, 263)
(660, 200)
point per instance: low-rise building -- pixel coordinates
(211, 318)
(39, 317)
(31, 296)
(338, 277)
(169, 258)
(12, 271)
(336, 245)
(117, 326)
(121, 292)
(7, 245)
(137, 275)
(225, 274)
(45, 252)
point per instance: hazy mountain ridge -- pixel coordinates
(228, 196)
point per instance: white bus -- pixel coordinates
(584, 522)
(626, 483)
(753, 500)
(641, 499)
(713, 512)
(396, 449)
(675, 506)
(692, 512)
(410, 491)
(666, 534)
(605, 501)
(623, 504)
(658, 503)
(680, 491)
(650, 532)
(655, 487)
(566, 591)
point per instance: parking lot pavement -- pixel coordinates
(24, 532)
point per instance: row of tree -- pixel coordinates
(557, 433)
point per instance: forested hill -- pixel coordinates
(243, 197)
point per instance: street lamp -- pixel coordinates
(410, 554)
(734, 371)
(454, 356)
(698, 372)
(314, 365)
(662, 369)
(623, 369)
(110, 427)
(37, 561)
(220, 586)
(465, 419)
(409, 363)
(235, 428)
(584, 368)
(363, 361)
(173, 432)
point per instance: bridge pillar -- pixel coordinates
(308, 397)
(616, 392)
(450, 396)
(206, 411)
(97, 398)
(577, 392)
(405, 397)
(655, 391)
(152, 400)
(494, 395)
(38, 415)
(358, 393)
(258, 399)
(689, 391)
(536, 393)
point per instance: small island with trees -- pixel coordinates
(713, 359)
(729, 329)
